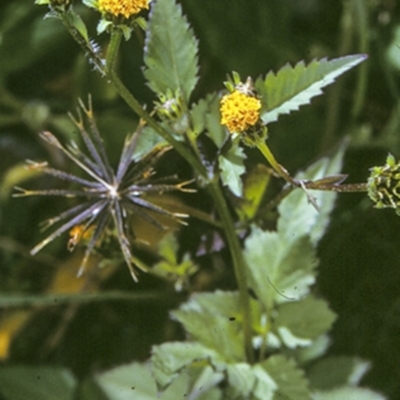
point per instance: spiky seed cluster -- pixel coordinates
(239, 111)
(122, 8)
(384, 185)
(108, 196)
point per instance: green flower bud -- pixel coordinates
(384, 185)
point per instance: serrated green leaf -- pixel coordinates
(232, 167)
(211, 320)
(292, 87)
(292, 385)
(204, 384)
(76, 21)
(304, 319)
(170, 50)
(249, 382)
(317, 349)
(297, 216)
(44, 383)
(279, 271)
(127, 381)
(348, 393)
(332, 372)
(134, 381)
(169, 359)
(265, 386)
(222, 303)
(241, 379)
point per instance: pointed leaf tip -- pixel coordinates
(292, 87)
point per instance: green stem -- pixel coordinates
(361, 19)
(112, 51)
(239, 265)
(266, 152)
(69, 19)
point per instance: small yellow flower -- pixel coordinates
(122, 8)
(239, 111)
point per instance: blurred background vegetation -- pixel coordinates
(43, 73)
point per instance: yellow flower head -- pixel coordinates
(122, 8)
(239, 111)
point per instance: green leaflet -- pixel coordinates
(232, 167)
(135, 381)
(297, 216)
(249, 382)
(279, 271)
(170, 50)
(147, 140)
(292, 385)
(295, 86)
(241, 379)
(304, 319)
(213, 320)
(168, 360)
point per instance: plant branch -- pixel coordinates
(214, 188)
(281, 171)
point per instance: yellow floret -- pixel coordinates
(239, 111)
(123, 8)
